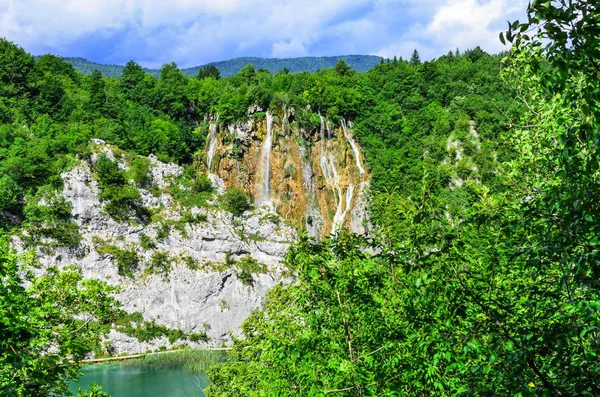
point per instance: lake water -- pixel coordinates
(132, 380)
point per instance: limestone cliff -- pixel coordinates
(198, 292)
(315, 176)
(183, 261)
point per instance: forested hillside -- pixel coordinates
(478, 277)
(228, 68)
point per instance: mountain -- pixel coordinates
(361, 63)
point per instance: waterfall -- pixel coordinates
(332, 179)
(264, 191)
(340, 216)
(350, 139)
(212, 142)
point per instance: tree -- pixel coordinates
(15, 67)
(208, 71)
(342, 68)
(49, 326)
(97, 103)
(236, 201)
(170, 92)
(415, 59)
(133, 75)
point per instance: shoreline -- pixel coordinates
(141, 355)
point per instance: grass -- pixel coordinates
(192, 360)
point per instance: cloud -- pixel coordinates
(462, 24)
(193, 32)
(292, 48)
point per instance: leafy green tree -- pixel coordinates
(49, 326)
(209, 71)
(136, 84)
(170, 92)
(15, 68)
(342, 68)
(97, 102)
(236, 201)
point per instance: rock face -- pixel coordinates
(315, 174)
(315, 179)
(192, 296)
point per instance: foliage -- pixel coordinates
(139, 171)
(133, 324)
(160, 263)
(195, 361)
(231, 67)
(95, 391)
(236, 201)
(127, 259)
(502, 300)
(49, 326)
(208, 71)
(48, 214)
(123, 201)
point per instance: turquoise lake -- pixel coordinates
(133, 380)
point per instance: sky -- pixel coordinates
(196, 32)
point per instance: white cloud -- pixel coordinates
(192, 32)
(462, 24)
(292, 48)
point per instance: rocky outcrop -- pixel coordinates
(314, 179)
(316, 174)
(198, 293)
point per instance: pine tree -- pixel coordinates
(415, 59)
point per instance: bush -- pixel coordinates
(124, 202)
(198, 337)
(140, 171)
(146, 242)
(160, 263)
(245, 277)
(107, 171)
(48, 214)
(127, 260)
(202, 184)
(236, 201)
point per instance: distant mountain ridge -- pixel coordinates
(230, 67)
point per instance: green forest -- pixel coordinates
(481, 276)
(228, 68)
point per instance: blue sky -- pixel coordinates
(193, 32)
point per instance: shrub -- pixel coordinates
(245, 277)
(107, 171)
(127, 260)
(48, 214)
(146, 242)
(236, 201)
(160, 263)
(123, 200)
(198, 337)
(202, 184)
(140, 171)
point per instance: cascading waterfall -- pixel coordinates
(212, 142)
(264, 192)
(337, 223)
(350, 139)
(332, 179)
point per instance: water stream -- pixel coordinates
(212, 142)
(332, 179)
(354, 147)
(264, 188)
